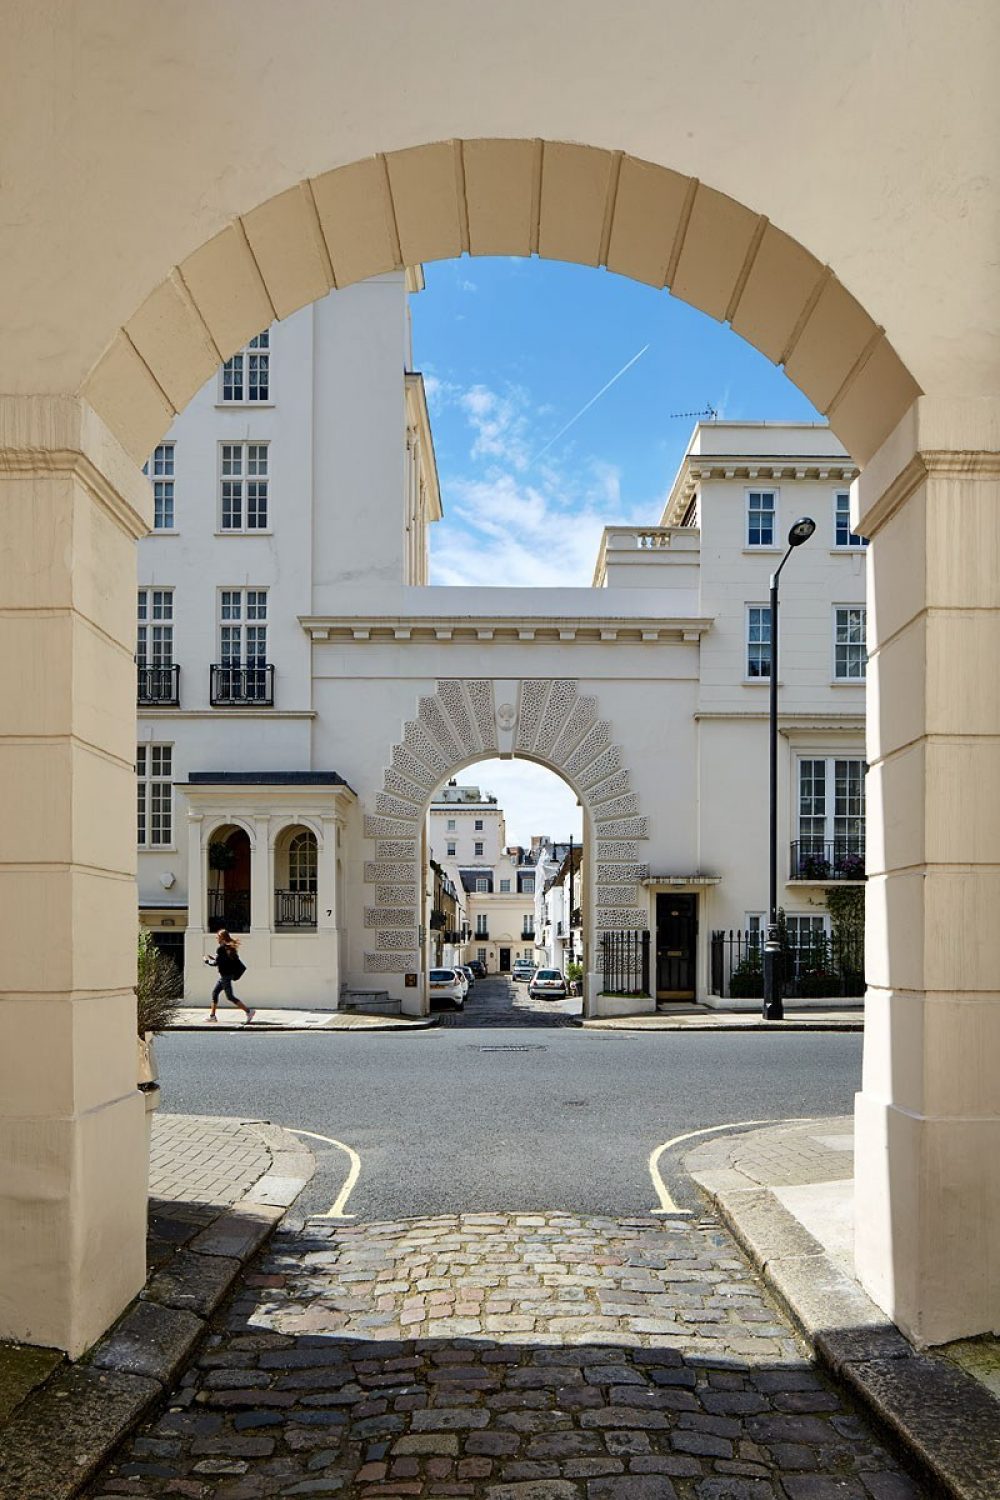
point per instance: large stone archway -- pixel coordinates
(132, 151)
(556, 199)
(544, 719)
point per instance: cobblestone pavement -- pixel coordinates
(506, 1357)
(499, 1001)
(204, 1159)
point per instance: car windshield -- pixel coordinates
(548, 974)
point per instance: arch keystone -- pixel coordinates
(501, 180)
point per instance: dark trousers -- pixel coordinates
(224, 986)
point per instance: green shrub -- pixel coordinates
(158, 986)
(747, 980)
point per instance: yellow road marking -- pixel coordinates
(337, 1211)
(667, 1204)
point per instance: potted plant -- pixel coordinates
(574, 978)
(157, 992)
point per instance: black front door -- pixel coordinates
(504, 960)
(676, 928)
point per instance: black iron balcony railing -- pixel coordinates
(527, 934)
(158, 685)
(229, 909)
(294, 909)
(483, 935)
(242, 685)
(836, 859)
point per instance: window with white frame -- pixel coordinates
(527, 952)
(451, 825)
(843, 536)
(850, 653)
(806, 940)
(154, 635)
(246, 378)
(831, 814)
(755, 927)
(478, 827)
(504, 887)
(527, 923)
(160, 469)
(243, 492)
(760, 518)
(758, 640)
(481, 955)
(243, 627)
(479, 847)
(482, 884)
(451, 848)
(482, 927)
(154, 772)
(527, 885)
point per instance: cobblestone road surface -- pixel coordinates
(507, 1357)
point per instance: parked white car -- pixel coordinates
(523, 968)
(547, 984)
(449, 985)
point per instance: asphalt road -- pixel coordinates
(523, 1117)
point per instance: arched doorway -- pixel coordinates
(228, 889)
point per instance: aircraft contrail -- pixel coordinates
(589, 404)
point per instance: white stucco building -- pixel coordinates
(298, 739)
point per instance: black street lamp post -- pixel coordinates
(773, 1008)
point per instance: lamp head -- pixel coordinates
(801, 531)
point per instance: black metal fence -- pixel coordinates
(811, 965)
(836, 859)
(229, 909)
(158, 685)
(295, 908)
(625, 963)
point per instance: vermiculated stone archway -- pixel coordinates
(544, 719)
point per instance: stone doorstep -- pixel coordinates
(95, 1403)
(944, 1420)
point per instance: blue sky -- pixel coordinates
(512, 350)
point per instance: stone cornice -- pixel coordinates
(503, 629)
(774, 467)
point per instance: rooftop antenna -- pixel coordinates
(708, 411)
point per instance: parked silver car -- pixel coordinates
(547, 984)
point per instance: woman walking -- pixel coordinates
(230, 966)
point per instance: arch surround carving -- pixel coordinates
(543, 719)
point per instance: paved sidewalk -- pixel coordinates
(507, 1357)
(787, 1193)
(704, 1018)
(218, 1187)
(193, 1018)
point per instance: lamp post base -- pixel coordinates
(774, 1010)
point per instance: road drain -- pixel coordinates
(513, 1049)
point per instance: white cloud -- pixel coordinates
(511, 522)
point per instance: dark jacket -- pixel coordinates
(228, 962)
